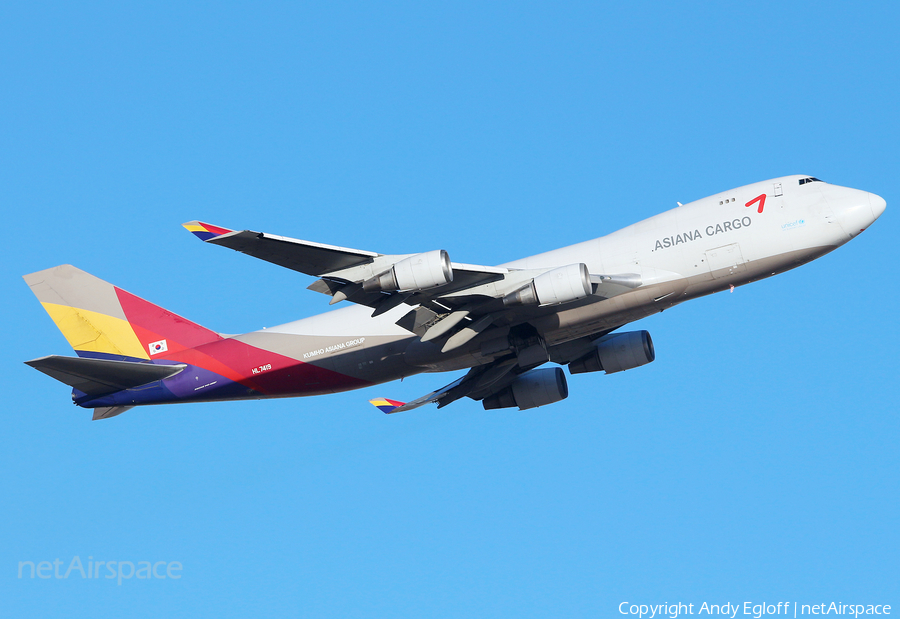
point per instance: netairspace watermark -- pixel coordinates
(757, 610)
(96, 570)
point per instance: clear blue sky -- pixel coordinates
(755, 460)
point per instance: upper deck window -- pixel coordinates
(811, 179)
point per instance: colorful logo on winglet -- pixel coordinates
(385, 405)
(203, 231)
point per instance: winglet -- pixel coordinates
(205, 232)
(386, 406)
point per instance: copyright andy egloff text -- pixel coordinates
(756, 610)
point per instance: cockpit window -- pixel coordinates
(811, 179)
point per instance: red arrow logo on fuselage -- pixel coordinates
(762, 202)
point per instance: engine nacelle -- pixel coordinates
(418, 272)
(561, 285)
(617, 352)
(530, 390)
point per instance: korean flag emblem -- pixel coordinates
(158, 347)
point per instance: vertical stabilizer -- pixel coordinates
(103, 321)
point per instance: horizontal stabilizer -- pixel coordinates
(101, 376)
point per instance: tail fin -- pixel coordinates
(103, 321)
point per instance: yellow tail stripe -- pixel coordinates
(94, 332)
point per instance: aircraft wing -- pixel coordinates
(303, 256)
(342, 270)
(486, 380)
(393, 406)
(458, 306)
(478, 383)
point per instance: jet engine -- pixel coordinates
(415, 273)
(561, 285)
(530, 390)
(617, 352)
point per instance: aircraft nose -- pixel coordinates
(878, 205)
(856, 210)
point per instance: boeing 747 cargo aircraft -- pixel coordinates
(408, 314)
